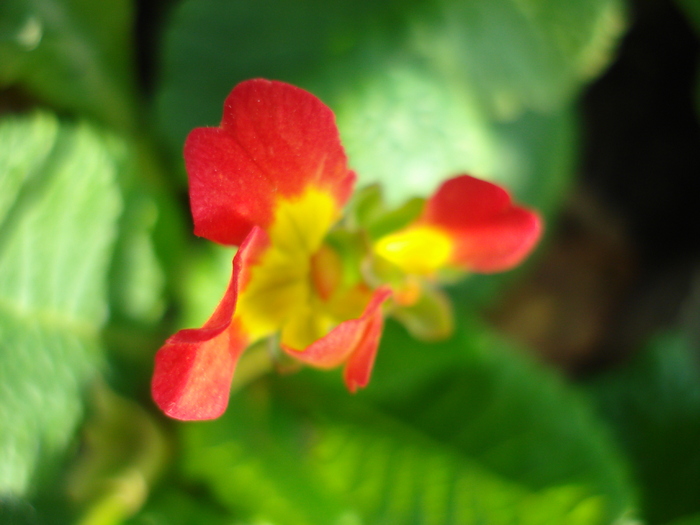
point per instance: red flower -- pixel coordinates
(274, 178)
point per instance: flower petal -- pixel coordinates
(193, 373)
(465, 200)
(499, 245)
(358, 368)
(354, 341)
(489, 232)
(418, 249)
(194, 368)
(275, 140)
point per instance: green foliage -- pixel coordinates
(75, 54)
(654, 407)
(93, 246)
(692, 520)
(692, 11)
(138, 280)
(174, 506)
(58, 215)
(205, 284)
(512, 414)
(422, 91)
(460, 432)
(408, 127)
(522, 54)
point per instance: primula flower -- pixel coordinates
(469, 224)
(273, 179)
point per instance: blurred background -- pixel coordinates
(570, 391)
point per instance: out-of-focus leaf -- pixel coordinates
(479, 436)
(123, 451)
(58, 213)
(17, 512)
(149, 266)
(474, 392)
(174, 506)
(653, 406)
(523, 54)
(75, 54)
(210, 46)
(692, 11)
(137, 281)
(409, 127)
(205, 283)
(397, 475)
(247, 461)
(692, 520)
(422, 90)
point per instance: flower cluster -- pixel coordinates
(273, 180)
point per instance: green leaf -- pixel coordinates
(17, 512)
(478, 435)
(691, 8)
(653, 406)
(692, 520)
(138, 280)
(476, 393)
(409, 127)
(210, 46)
(422, 90)
(74, 54)
(58, 215)
(204, 283)
(252, 470)
(122, 452)
(397, 475)
(151, 256)
(174, 506)
(522, 54)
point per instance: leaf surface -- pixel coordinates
(58, 218)
(74, 54)
(472, 438)
(422, 90)
(653, 406)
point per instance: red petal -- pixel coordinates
(465, 200)
(491, 234)
(358, 369)
(192, 379)
(274, 141)
(500, 244)
(354, 341)
(194, 368)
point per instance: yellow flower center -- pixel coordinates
(294, 275)
(419, 250)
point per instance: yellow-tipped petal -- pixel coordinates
(417, 250)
